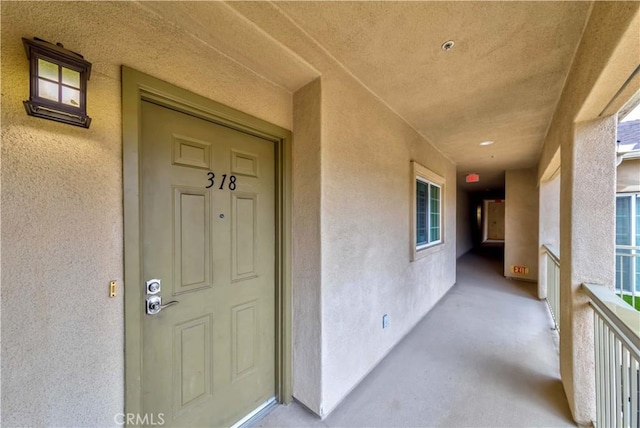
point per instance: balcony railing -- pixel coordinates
(617, 359)
(628, 274)
(553, 283)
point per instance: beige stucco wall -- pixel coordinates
(606, 57)
(62, 209)
(521, 223)
(62, 336)
(464, 241)
(598, 71)
(628, 176)
(307, 245)
(587, 237)
(366, 268)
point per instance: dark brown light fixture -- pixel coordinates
(58, 88)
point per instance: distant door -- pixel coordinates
(208, 360)
(494, 210)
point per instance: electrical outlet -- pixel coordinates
(385, 321)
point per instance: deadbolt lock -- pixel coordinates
(153, 286)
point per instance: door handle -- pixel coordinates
(154, 304)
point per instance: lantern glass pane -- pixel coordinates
(70, 77)
(48, 90)
(71, 96)
(48, 70)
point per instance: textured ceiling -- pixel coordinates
(501, 81)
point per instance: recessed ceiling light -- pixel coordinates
(486, 143)
(447, 45)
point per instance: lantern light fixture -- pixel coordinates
(58, 85)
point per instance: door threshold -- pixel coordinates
(256, 414)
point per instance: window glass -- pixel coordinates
(434, 209)
(637, 243)
(623, 220)
(47, 90)
(71, 96)
(70, 77)
(421, 212)
(48, 70)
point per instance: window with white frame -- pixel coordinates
(628, 242)
(426, 210)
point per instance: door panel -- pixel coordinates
(210, 359)
(495, 220)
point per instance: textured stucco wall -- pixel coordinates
(307, 245)
(521, 223)
(628, 176)
(62, 206)
(587, 237)
(589, 88)
(366, 269)
(597, 60)
(464, 241)
(62, 337)
(365, 201)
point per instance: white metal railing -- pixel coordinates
(553, 283)
(617, 359)
(628, 273)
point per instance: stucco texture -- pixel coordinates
(587, 237)
(521, 223)
(62, 202)
(366, 268)
(599, 71)
(62, 242)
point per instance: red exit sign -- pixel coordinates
(472, 178)
(520, 270)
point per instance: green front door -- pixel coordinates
(208, 236)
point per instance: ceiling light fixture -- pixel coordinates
(446, 46)
(486, 143)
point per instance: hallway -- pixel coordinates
(485, 355)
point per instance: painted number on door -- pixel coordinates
(231, 183)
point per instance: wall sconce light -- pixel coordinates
(58, 86)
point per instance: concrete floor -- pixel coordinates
(485, 356)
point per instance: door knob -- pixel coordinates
(154, 304)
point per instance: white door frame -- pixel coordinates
(136, 87)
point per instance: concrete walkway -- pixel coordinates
(485, 356)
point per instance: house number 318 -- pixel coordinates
(232, 181)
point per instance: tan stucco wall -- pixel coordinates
(587, 237)
(62, 337)
(599, 67)
(606, 57)
(366, 268)
(464, 241)
(521, 223)
(628, 176)
(307, 245)
(62, 210)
